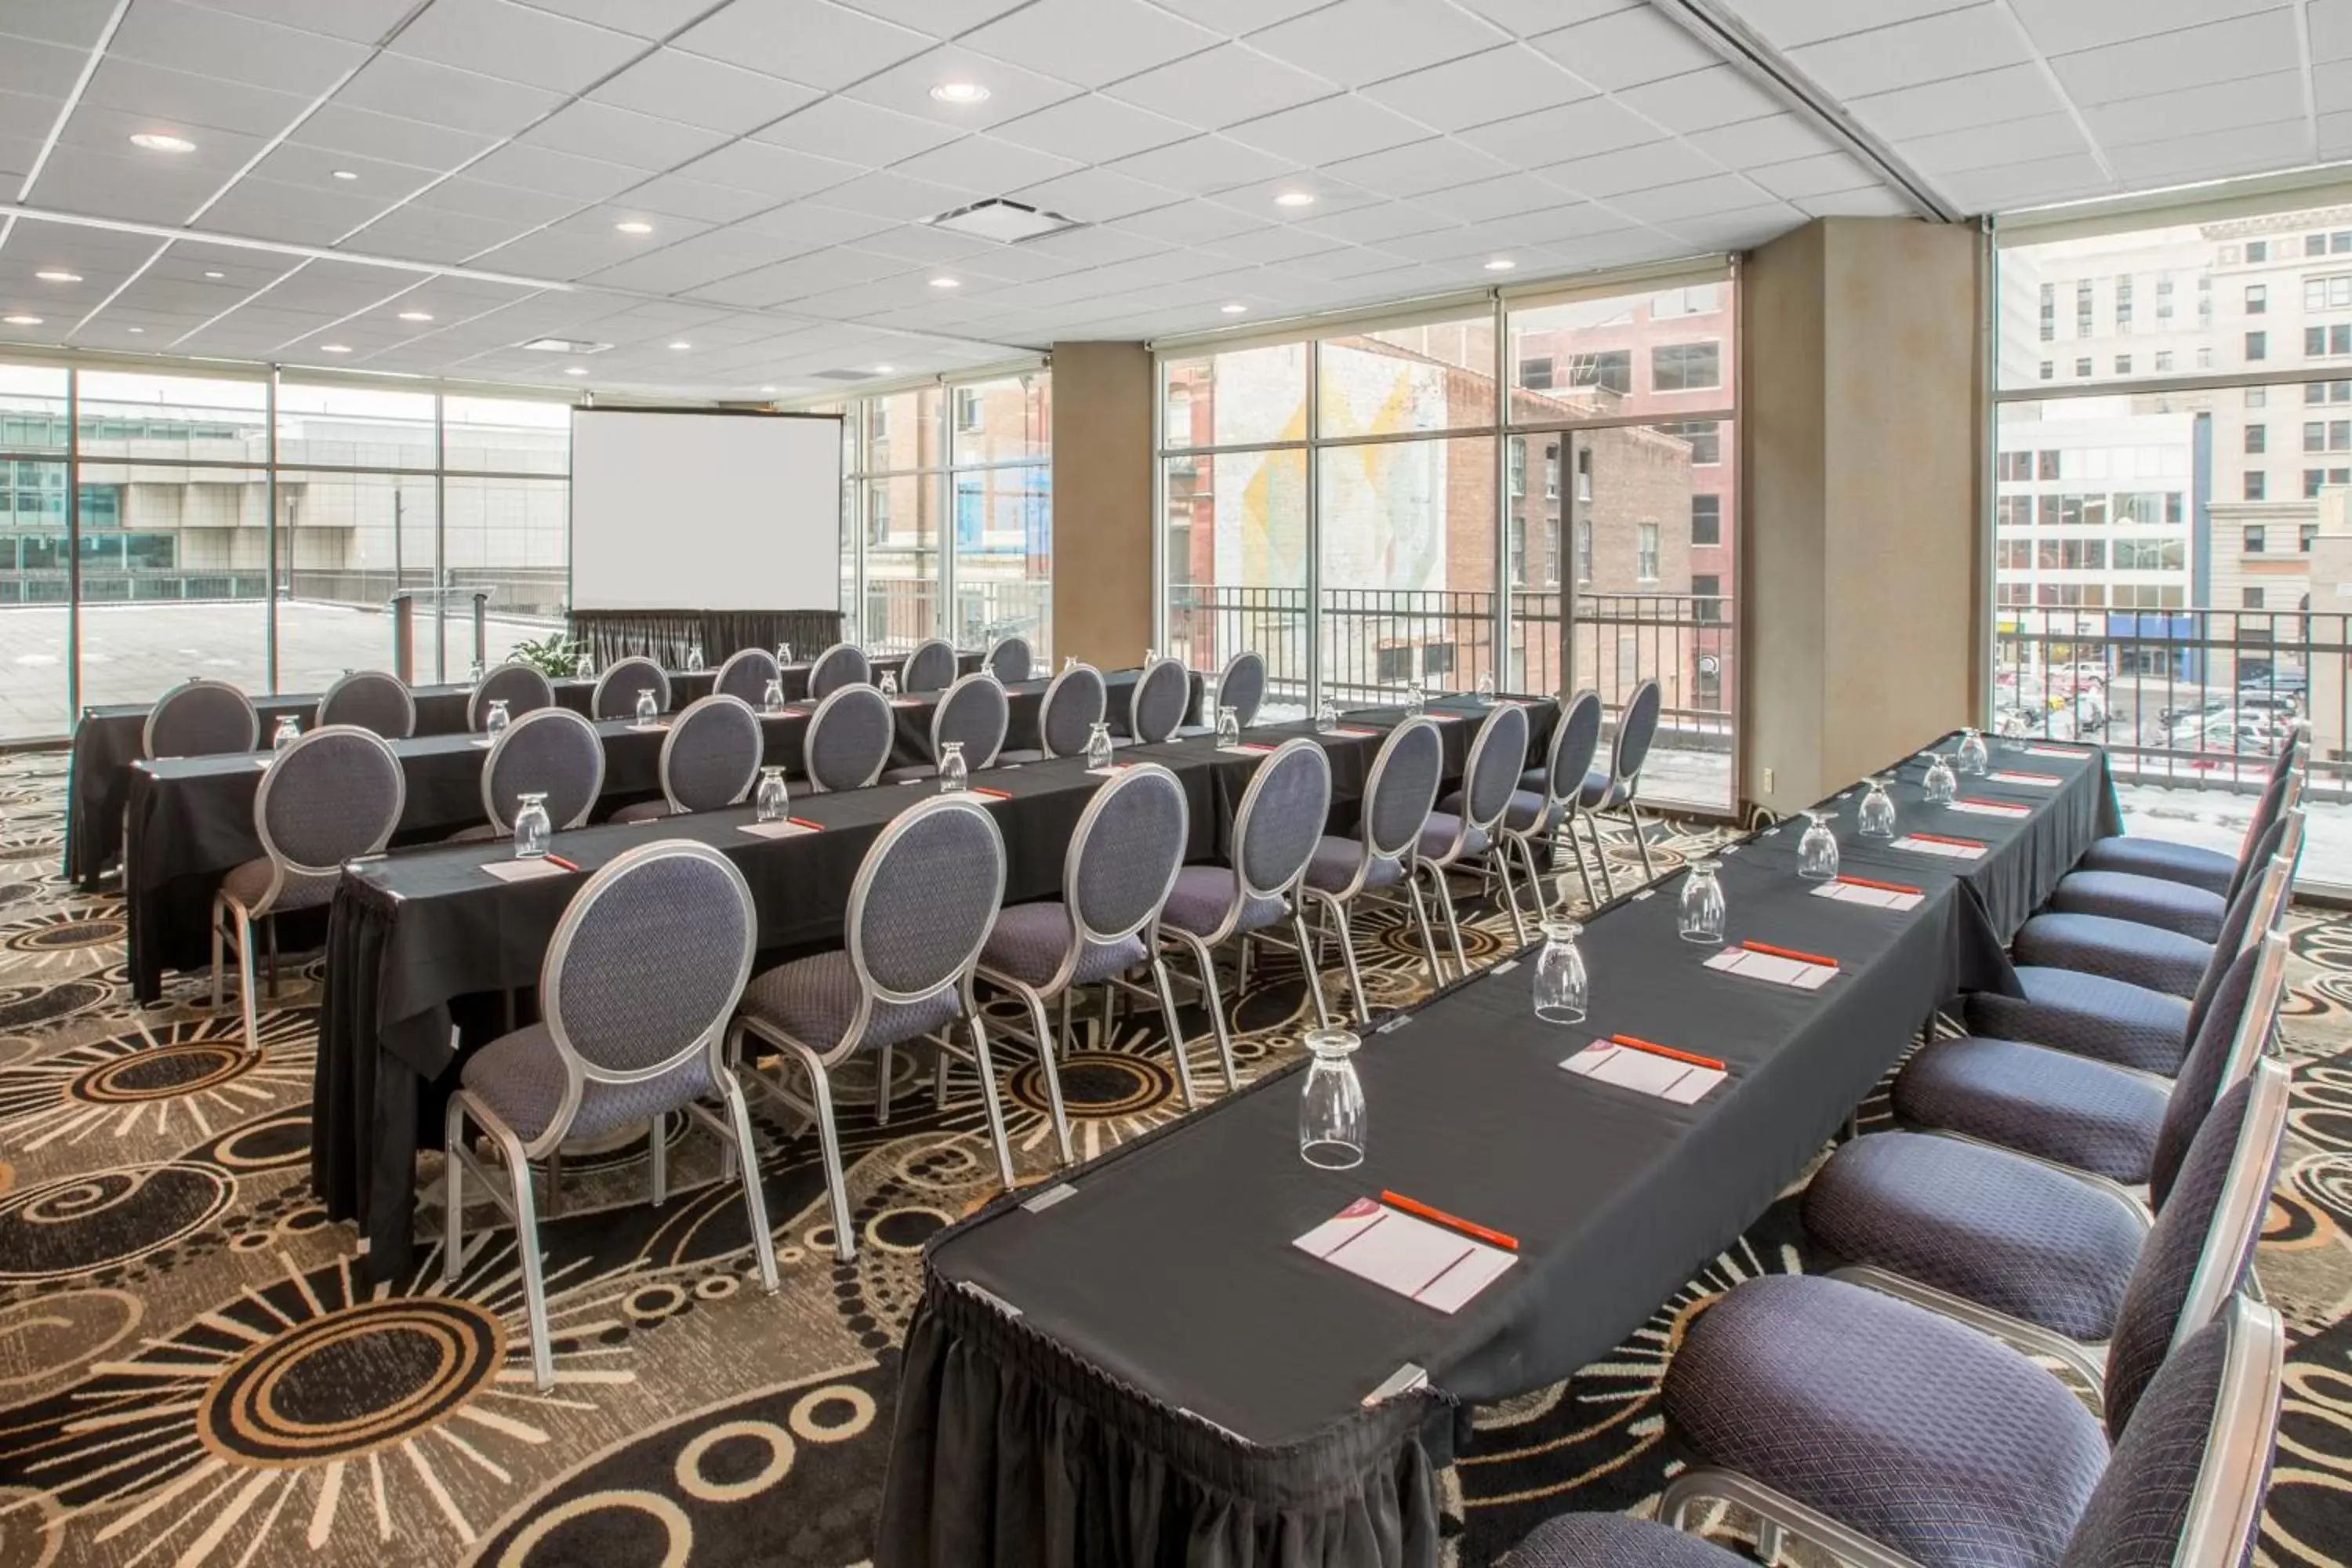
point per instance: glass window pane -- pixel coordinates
(182, 588)
(33, 619)
(902, 431)
(1633, 353)
(348, 542)
(1236, 545)
(1005, 557)
(1006, 421)
(1408, 542)
(508, 538)
(1236, 397)
(902, 562)
(355, 427)
(506, 436)
(181, 419)
(1436, 377)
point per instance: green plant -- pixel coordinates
(555, 655)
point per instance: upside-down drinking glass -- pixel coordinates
(1229, 727)
(1415, 701)
(1326, 717)
(532, 831)
(1817, 851)
(771, 698)
(584, 667)
(473, 673)
(1876, 813)
(648, 710)
(289, 730)
(1562, 987)
(1070, 662)
(955, 774)
(1331, 1105)
(1098, 747)
(783, 654)
(1702, 911)
(1974, 758)
(889, 683)
(772, 800)
(693, 658)
(1943, 786)
(495, 722)
(1486, 687)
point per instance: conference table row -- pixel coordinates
(190, 819)
(417, 938)
(110, 740)
(1141, 1364)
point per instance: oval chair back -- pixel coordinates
(1402, 788)
(1074, 705)
(1123, 858)
(616, 689)
(644, 972)
(2236, 1032)
(746, 675)
(201, 718)
(1490, 775)
(1011, 658)
(372, 699)
(976, 712)
(1162, 694)
(930, 667)
(1241, 686)
(1575, 740)
(843, 664)
(923, 904)
(849, 738)
(552, 751)
(711, 754)
(1281, 817)
(1637, 727)
(521, 687)
(335, 793)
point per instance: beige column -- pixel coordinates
(1103, 535)
(2331, 602)
(1863, 574)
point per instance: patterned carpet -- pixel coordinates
(191, 1373)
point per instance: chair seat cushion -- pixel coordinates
(2146, 901)
(1527, 811)
(643, 811)
(2089, 1015)
(2121, 950)
(813, 999)
(910, 773)
(1931, 1438)
(1029, 942)
(1333, 866)
(2047, 1103)
(249, 884)
(2185, 863)
(1206, 895)
(1602, 793)
(2004, 1232)
(520, 1078)
(1615, 1541)
(1437, 836)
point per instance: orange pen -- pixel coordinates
(1939, 838)
(560, 861)
(1766, 947)
(1633, 1043)
(804, 822)
(1882, 887)
(1451, 1222)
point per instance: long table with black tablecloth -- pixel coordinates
(411, 935)
(1145, 1370)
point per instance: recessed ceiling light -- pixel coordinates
(575, 370)
(22, 321)
(416, 315)
(334, 348)
(635, 225)
(346, 175)
(215, 274)
(157, 141)
(1501, 264)
(960, 92)
(1295, 199)
(681, 344)
(767, 389)
(886, 369)
(57, 275)
(138, 331)
(947, 283)
(1233, 310)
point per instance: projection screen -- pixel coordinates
(704, 510)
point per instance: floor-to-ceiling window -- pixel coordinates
(1538, 487)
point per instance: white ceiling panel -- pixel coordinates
(1203, 165)
(46, 70)
(1329, 131)
(639, 18)
(815, 42)
(1773, 140)
(1633, 169)
(1700, 101)
(1097, 196)
(163, 98)
(698, 92)
(361, 21)
(233, 48)
(1089, 42)
(1362, 41)
(1222, 86)
(982, 166)
(1013, 91)
(621, 136)
(847, 130)
(1553, 135)
(1478, 90)
(420, 90)
(513, 43)
(1093, 128)
(1626, 48)
(339, 127)
(1429, 165)
(1906, 54)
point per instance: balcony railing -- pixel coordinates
(900, 612)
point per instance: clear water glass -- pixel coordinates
(584, 667)
(1070, 662)
(1326, 717)
(1562, 987)
(783, 654)
(1150, 654)
(648, 710)
(1817, 851)
(1943, 784)
(473, 673)
(889, 683)
(1486, 687)
(1098, 748)
(1876, 813)
(693, 658)
(1702, 911)
(1331, 1105)
(1415, 701)
(955, 774)
(1229, 727)
(771, 698)
(494, 722)
(532, 832)
(289, 730)
(1974, 758)
(771, 801)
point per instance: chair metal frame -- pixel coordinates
(684, 721)
(1162, 669)
(1496, 857)
(760, 657)
(907, 665)
(1334, 903)
(554, 715)
(367, 677)
(1084, 936)
(982, 677)
(1225, 675)
(477, 711)
(818, 678)
(840, 695)
(1028, 658)
(253, 715)
(517, 1155)
(1570, 806)
(1082, 674)
(233, 920)
(817, 1107)
(651, 670)
(1630, 780)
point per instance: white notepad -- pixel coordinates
(1989, 808)
(1644, 1072)
(657, 724)
(486, 746)
(1445, 718)
(776, 829)
(2027, 781)
(1949, 851)
(1791, 972)
(1868, 898)
(524, 870)
(1246, 750)
(1428, 1263)
(1361, 734)
(263, 763)
(2070, 754)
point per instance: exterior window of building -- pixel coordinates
(2049, 370)
(2254, 484)
(2122, 364)
(2258, 250)
(2082, 367)
(2258, 347)
(2318, 392)
(2163, 363)
(2305, 535)
(2313, 479)
(2049, 312)
(2258, 298)
(2327, 343)
(2257, 438)
(1584, 473)
(1552, 471)
(1686, 367)
(1706, 597)
(1705, 438)
(2205, 359)
(2045, 465)
(1646, 565)
(2253, 539)
(2250, 598)
(1609, 371)
(1519, 471)
(2123, 304)
(2257, 397)
(1535, 374)
(2333, 292)
(1706, 521)
(2084, 313)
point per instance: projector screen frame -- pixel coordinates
(570, 481)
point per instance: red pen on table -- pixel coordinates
(1766, 947)
(1939, 838)
(560, 861)
(1452, 1222)
(804, 822)
(1882, 887)
(1634, 1043)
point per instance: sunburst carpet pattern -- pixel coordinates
(190, 1371)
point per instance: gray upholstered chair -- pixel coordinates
(848, 740)
(2193, 865)
(335, 793)
(746, 675)
(639, 981)
(1074, 704)
(2166, 901)
(931, 667)
(1241, 686)
(200, 718)
(615, 695)
(843, 664)
(1010, 659)
(552, 751)
(1275, 828)
(1616, 1540)
(1469, 832)
(1613, 791)
(372, 699)
(1547, 804)
(1156, 707)
(974, 713)
(918, 911)
(709, 760)
(1122, 861)
(523, 688)
(1398, 795)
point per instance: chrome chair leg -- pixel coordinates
(886, 1065)
(836, 1185)
(1338, 916)
(1583, 872)
(988, 1091)
(453, 1216)
(1176, 1036)
(1601, 854)
(1442, 890)
(1498, 857)
(1309, 959)
(534, 1284)
(738, 1120)
(220, 913)
(1421, 918)
(1207, 963)
(1641, 838)
(657, 1156)
(246, 983)
(1062, 1040)
(1053, 1073)
(269, 936)
(941, 1059)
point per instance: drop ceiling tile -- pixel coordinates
(2193, 57)
(1357, 42)
(776, 172)
(1098, 246)
(378, 184)
(1908, 54)
(73, 23)
(675, 195)
(1791, 23)
(1016, 263)
(1878, 202)
(160, 99)
(888, 193)
(1262, 245)
(103, 184)
(2023, 141)
(1626, 48)
(336, 127)
(1093, 128)
(2331, 30)
(1985, 98)
(1090, 42)
(420, 90)
(1337, 265)
(1480, 88)
(938, 19)
(1815, 176)
(693, 262)
(555, 253)
(1532, 18)
(2279, 146)
(814, 42)
(2221, 106)
(1203, 165)
(710, 93)
(470, 197)
(1239, 17)
(1189, 223)
(501, 39)
(1222, 87)
(1691, 198)
(427, 234)
(621, 136)
(983, 166)
(2334, 134)
(530, 168)
(1594, 125)
(1097, 196)
(639, 18)
(233, 48)
(1633, 169)
(2024, 184)
(1701, 100)
(1434, 164)
(2332, 86)
(813, 224)
(921, 245)
(1378, 224)
(1773, 140)
(1737, 230)
(2062, 26)
(23, 115)
(853, 133)
(46, 70)
(1328, 131)
(1492, 198)
(1011, 91)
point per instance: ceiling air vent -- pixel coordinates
(564, 346)
(1007, 223)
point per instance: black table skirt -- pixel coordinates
(667, 635)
